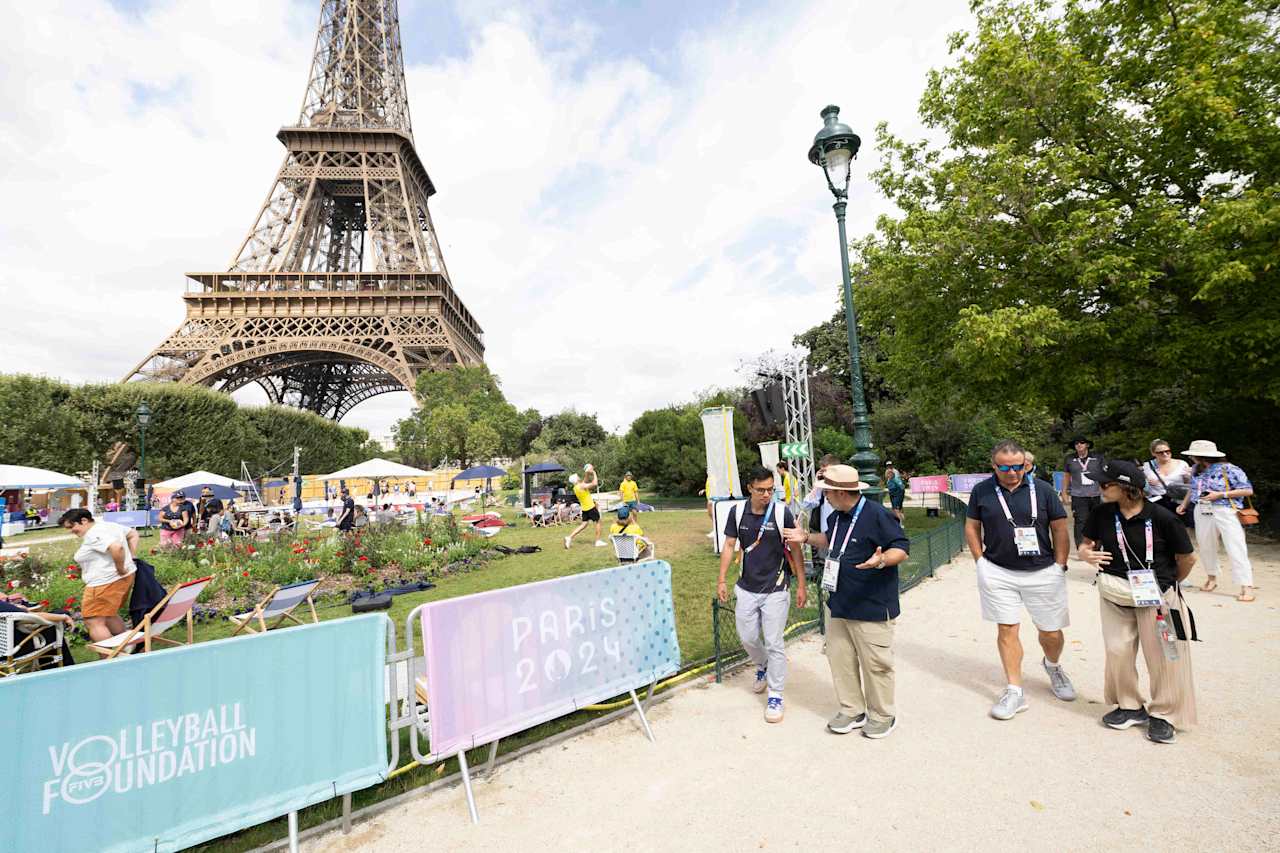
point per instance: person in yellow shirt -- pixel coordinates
(590, 512)
(629, 490)
(626, 525)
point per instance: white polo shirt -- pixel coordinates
(94, 557)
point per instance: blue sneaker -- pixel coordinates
(761, 682)
(773, 710)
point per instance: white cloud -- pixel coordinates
(624, 235)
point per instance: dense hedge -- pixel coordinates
(50, 424)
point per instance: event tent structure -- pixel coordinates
(196, 479)
(22, 477)
(377, 469)
(551, 466)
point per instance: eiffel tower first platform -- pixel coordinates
(339, 292)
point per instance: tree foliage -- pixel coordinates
(462, 417)
(50, 424)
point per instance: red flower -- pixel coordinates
(245, 574)
(251, 550)
(71, 599)
(426, 541)
(339, 554)
(373, 571)
(364, 559)
(71, 567)
(44, 603)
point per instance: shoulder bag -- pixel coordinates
(1247, 514)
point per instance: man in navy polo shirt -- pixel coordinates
(763, 588)
(1017, 532)
(866, 543)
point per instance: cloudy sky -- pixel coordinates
(623, 197)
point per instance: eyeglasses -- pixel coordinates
(765, 491)
(1005, 469)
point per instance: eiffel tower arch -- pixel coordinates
(339, 291)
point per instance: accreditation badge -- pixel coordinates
(830, 574)
(1144, 588)
(1027, 540)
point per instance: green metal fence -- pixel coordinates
(929, 550)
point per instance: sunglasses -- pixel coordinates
(1163, 452)
(1005, 469)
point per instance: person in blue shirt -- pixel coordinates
(866, 544)
(897, 489)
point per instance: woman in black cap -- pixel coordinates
(1142, 552)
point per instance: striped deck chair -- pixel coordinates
(175, 607)
(278, 605)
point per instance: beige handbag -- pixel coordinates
(1114, 589)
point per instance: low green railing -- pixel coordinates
(929, 550)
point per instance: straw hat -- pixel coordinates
(841, 477)
(1204, 448)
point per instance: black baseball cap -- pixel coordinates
(1125, 473)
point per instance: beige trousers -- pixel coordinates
(1124, 631)
(861, 658)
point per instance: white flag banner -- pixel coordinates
(722, 461)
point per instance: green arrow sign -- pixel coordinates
(794, 450)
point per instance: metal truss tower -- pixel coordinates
(795, 396)
(339, 291)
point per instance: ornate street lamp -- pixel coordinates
(834, 148)
(144, 418)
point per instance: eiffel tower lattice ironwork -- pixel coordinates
(339, 291)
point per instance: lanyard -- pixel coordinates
(1005, 506)
(857, 511)
(1124, 543)
(764, 519)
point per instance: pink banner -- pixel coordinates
(502, 661)
(929, 485)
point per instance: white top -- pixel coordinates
(1181, 475)
(96, 564)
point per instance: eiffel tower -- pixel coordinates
(339, 291)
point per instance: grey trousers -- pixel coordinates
(761, 619)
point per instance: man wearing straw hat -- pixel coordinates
(866, 543)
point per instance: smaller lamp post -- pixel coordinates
(834, 148)
(144, 418)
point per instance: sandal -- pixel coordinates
(1246, 597)
(1209, 586)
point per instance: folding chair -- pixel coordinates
(628, 547)
(278, 605)
(173, 609)
(23, 648)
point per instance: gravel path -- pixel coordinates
(720, 778)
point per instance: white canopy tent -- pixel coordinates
(198, 478)
(22, 477)
(377, 469)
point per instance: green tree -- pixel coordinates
(452, 405)
(570, 429)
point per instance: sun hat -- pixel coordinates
(1125, 473)
(842, 478)
(1204, 448)
(1080, 439)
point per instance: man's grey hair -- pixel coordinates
(1007, 446)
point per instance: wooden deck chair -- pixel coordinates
(173, 609)
(22, 646)
(278, 605)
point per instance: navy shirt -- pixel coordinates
(869, 595)
(997, 534)
(347, 514)
(765, 568)
(1168, 539)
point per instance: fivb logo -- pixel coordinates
(147, 754)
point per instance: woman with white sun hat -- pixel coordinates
(1218, 489)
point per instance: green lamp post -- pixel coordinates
(144, 418)
(834, 148)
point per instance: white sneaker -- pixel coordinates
(567, 542)
(711, 534)
(600, 543)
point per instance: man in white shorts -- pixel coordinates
(1017, 532)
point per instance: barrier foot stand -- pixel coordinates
(466, 783)
(644, 721)
(493, 758)
(346, 813)
(293, 832)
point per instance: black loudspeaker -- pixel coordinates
(772, 408)
(117, 484)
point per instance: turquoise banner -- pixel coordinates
(161, 751)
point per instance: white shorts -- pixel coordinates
(1004, 593)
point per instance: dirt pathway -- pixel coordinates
(720, 778)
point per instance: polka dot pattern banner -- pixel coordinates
(502, 661)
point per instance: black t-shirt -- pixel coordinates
(869, 595)
(348, 513)
(213, 506)
(997, 534)
(764, 567)
(169, 514)
(1168, 539)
